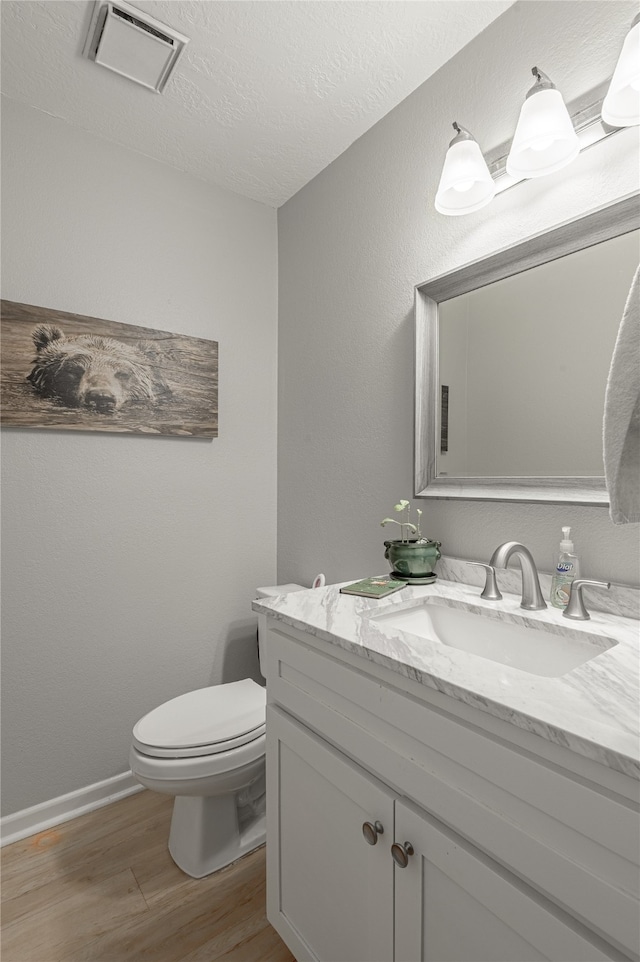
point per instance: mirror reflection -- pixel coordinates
(523, 366)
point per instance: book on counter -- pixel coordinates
(373, 587)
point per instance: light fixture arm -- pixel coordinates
(542, 82)
(461, 134)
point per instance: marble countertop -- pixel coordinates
(593, 709)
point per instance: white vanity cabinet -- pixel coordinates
(510, 854)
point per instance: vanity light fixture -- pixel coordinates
(465, 183)
(621, 106)
(545, 140)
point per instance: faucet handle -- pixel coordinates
(491, 591)
(575, 608)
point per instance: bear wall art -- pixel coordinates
(67, 371)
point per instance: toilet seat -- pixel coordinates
(167, 770)
(204, 722)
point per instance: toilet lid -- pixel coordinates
(206, 721)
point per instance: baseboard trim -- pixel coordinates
(36, 819)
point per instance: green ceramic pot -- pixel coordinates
(412, 559)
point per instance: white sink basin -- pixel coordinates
(534, 650)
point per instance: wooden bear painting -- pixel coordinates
(68, 371)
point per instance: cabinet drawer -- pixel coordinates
(573, 842)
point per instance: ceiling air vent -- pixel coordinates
(131, 43)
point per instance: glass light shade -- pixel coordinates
(465, 183)
(621, 107)
(544, 140)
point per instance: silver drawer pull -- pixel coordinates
(371, 831)
(401, 853)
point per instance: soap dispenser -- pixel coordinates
(567, 568)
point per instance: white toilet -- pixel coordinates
(207, 748)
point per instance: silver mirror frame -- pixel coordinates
(602, 224)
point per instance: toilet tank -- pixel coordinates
(270, 592)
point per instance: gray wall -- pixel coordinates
(352, 245)
(129, 562)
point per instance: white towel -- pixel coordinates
(621, 430)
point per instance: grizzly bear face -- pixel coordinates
(90, 371)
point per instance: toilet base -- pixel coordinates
(205, 833)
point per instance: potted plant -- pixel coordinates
(412, 558)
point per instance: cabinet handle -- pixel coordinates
(401, 853)
(371, 831)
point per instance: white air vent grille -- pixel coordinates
(140, 24)
(132, 44)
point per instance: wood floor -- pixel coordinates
(104, 888)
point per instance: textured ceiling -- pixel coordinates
(267, 93)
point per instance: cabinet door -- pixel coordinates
(329, 892)
(455, 904)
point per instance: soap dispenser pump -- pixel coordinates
(567, 569)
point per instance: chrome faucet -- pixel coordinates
(531, 595)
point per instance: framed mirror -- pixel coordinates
(512, 358)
